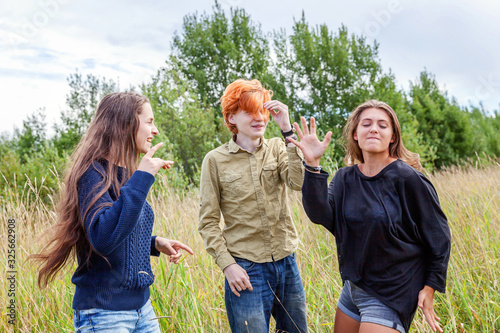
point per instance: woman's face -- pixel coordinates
(146, 131)
(374, 132)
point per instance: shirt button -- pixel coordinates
(255, 173)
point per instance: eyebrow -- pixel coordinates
(377, 119)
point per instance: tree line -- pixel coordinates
(316, 71)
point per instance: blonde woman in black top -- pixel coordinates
(392, 237)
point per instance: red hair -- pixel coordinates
(248, 95)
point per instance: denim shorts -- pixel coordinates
(111, 321)
(365, 308)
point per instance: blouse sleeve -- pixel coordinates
(318, 199)
(424, 209)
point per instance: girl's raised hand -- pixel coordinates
(311, 147)
(152, 164)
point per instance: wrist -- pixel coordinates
(287, 132)
(312, 163)
(312, 168)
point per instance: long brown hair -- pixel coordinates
(111, 136)
(396, 148)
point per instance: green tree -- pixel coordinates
(31, 138)
(189, 128)
(445, 126)
(485, 128)
(214, 50)
(328, 75)
(81, 104)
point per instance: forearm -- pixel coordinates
(215, 243)
(291, 168)
(315, 199)
(109, 222)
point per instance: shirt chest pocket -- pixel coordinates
(270, 174)
(232, 184)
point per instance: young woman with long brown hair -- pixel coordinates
(393, 240)
(105, 220)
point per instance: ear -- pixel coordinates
(392, 139)
(231, 120)
(355, 136)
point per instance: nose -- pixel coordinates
(154, 130)
(258, 116)
(373, 129)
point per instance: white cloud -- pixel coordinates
(44, 41)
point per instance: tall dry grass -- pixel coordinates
(189, 297)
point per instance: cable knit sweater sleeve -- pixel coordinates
(108, 222)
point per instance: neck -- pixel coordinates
(247, 143)
(374, 163)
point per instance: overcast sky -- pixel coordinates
(42, 42)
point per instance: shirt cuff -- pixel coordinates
(154, 251)
(321, 175)
(225, 259)
(141, 180)
(294, 153)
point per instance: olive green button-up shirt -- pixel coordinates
(249, 190)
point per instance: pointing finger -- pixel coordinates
(153, 149)
(167, 164)
(185, 247)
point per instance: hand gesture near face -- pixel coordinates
(279, 111)
(309, 143)
(152, 164)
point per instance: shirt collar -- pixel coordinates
(234, 148)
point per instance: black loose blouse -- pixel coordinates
(392, 236)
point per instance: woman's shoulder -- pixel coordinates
(410, 176)
(345, 171)
(95, 172)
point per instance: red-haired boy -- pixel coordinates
(245, 180)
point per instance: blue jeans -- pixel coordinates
(109, 321)
(252, 311)
(363, 307)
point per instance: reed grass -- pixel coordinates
(188, 297)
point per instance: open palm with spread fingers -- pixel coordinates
(309, 143)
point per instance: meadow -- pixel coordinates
(188, 297)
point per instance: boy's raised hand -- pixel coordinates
(280, 114)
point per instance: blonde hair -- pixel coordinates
(354, 154)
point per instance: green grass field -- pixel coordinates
(189, 297)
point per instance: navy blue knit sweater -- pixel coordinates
(119, 228)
